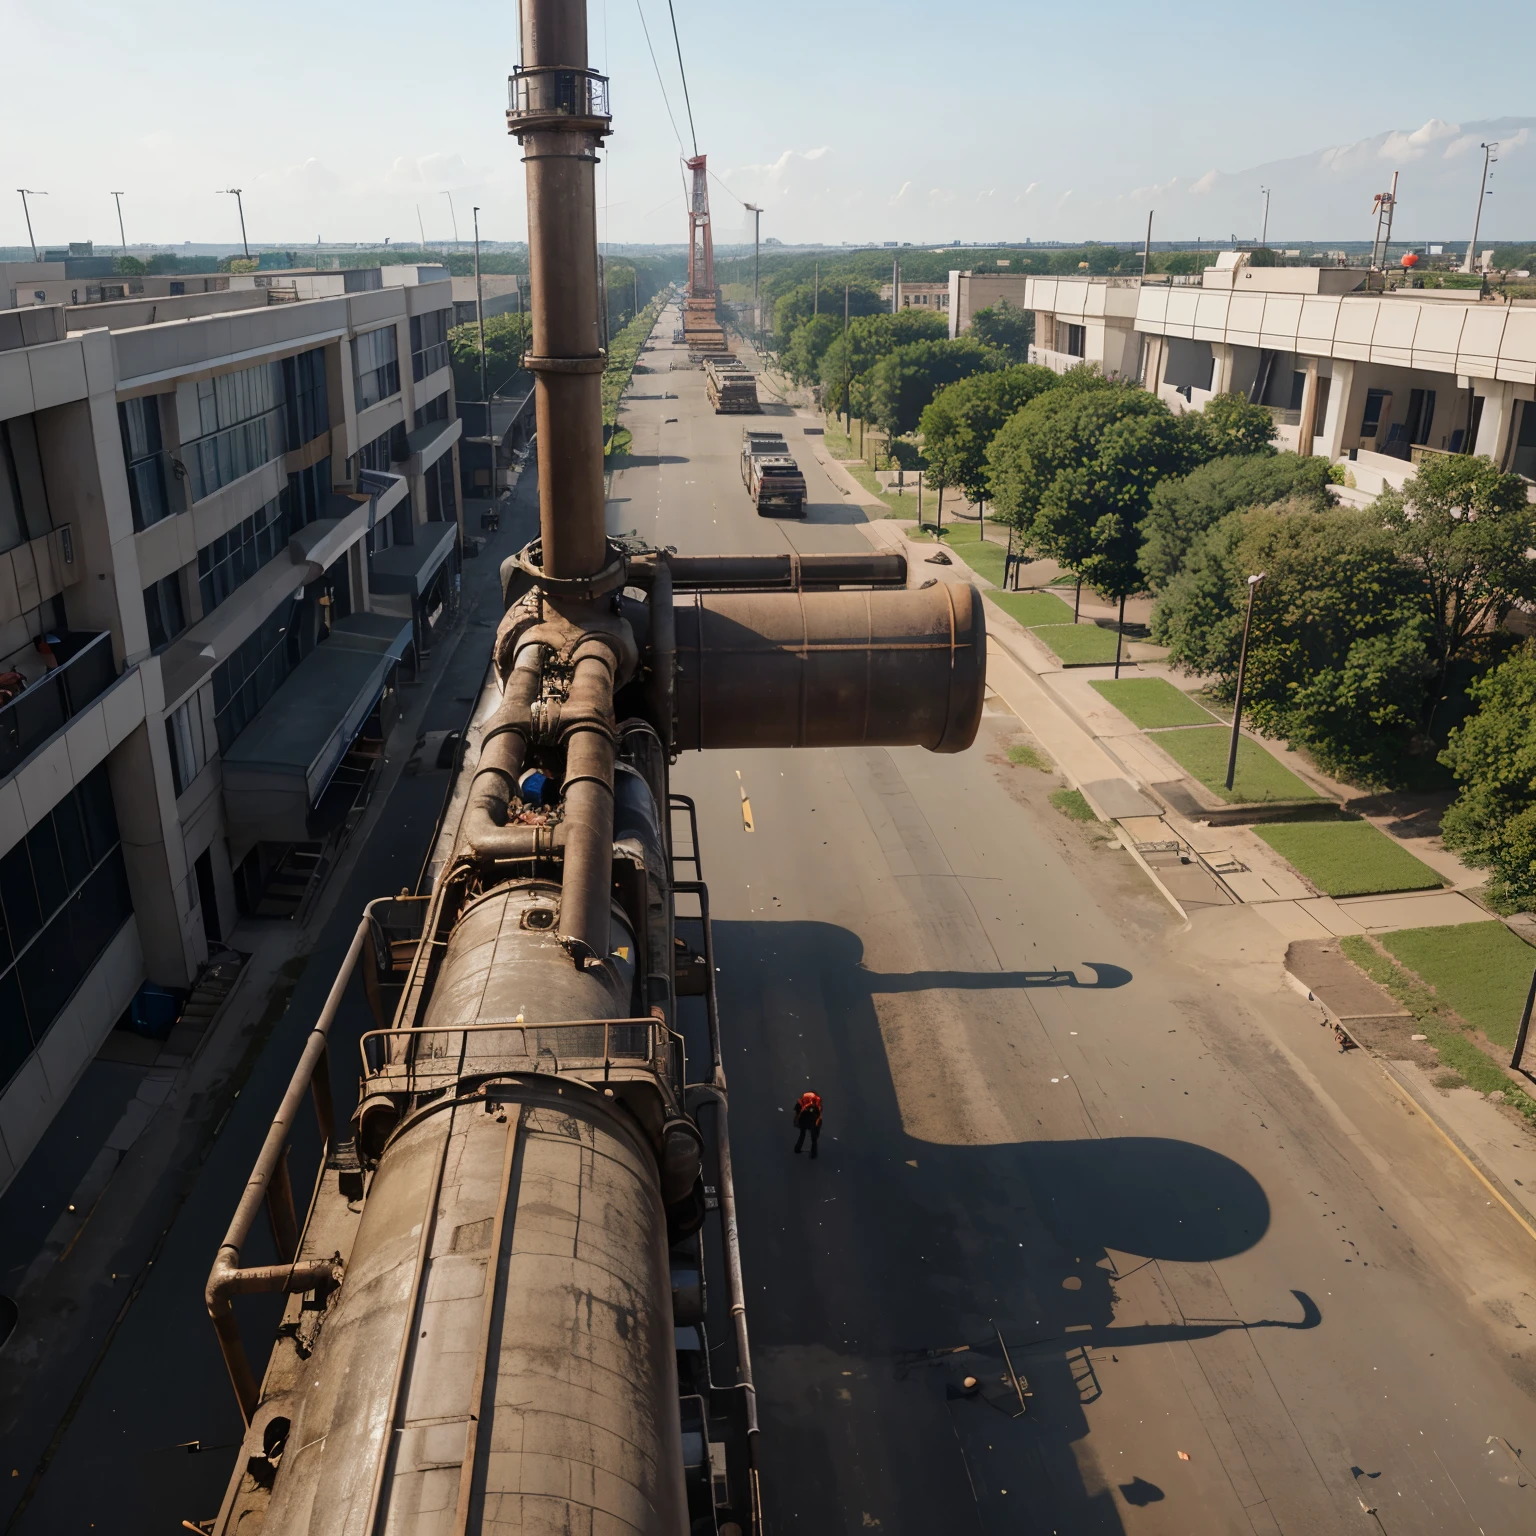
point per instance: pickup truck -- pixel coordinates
(770, 474)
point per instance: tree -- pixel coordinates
(792, 309)
(1337, 659)
(1182, 509)
(1007, 328)
(506, 340)
(958, 425)
(870, 339)
(1467, 530)
(802, 357)
(1229, 424)
(903, 382)
(128, 266)
(1493, 755)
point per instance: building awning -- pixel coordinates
(280, 765)
(410, 567)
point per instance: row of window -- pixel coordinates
(63, 897)
(429, 343)
(254, 673)
(435, 410)
(23, 498)
(234, 557)
(376, 366)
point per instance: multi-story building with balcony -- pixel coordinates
(229, 526)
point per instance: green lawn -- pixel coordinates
(1349, 858)
(1152, 701)
(1482, 970)
(1202, 754)
(985, 556)
(1033, 608)
(1079, 645)
(1071, 802)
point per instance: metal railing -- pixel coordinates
(428, 360)
(55, 699)
(547, 91)
(435, 1056)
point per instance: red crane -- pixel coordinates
(702, 332)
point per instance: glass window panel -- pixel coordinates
(15, 1038)
(94, 798)
(73, 848)
(18, 892)
(47, 868)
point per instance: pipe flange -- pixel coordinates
(580, 588)
(592, 363)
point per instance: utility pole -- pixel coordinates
(422, 228)
(122, 238)
(895, 284)
(27, 192)
(1264, 232)
(485, 393)
(1120, 639)
(1146, 254)
(234, 192)
(1489, 160)
(452, 215)
(757, 229)
(1242, 673)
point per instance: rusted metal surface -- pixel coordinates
(787, 572)
(831, 669)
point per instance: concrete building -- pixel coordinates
(971, 291)
(498, 293)
(1377, 379)
(228, 520)
(1084, 320)
(930, 296)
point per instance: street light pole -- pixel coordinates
(485, 394)
(1242, 673)
(452, 215)
(1489, 158)
(122, 238)
(234, 192)
(757, 229)
(1264, 232)
(27, 192)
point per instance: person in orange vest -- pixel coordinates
(808, 1118)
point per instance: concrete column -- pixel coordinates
(1307, 430)
(1221, 373)
(1498, 413)
(1342, 407)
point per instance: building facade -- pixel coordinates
(229, 523)
(933, 297)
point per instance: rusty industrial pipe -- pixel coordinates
(559, 112)
(503, 751)
(586, 794)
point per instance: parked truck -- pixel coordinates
(770, 474)
(731, 386)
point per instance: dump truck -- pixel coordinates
(731, 387)
(770, 474)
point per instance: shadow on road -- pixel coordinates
(892, 1268)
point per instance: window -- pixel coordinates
(189, 749)
(435, 410)
(244, 683)
(234, 557)
(387, 448)
(1523, 460)
(429, 342)
(1378, 403)
(23, 498)
(304, 393)
(376, 366)
(1070, 338)
(308, 495)
(163, 610)
(153, 488)
(441, 504)
(63, 897)
(241, 416)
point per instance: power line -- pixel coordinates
(692, 133)
(659, 81)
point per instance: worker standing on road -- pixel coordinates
(808, 1118)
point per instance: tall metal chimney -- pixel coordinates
(558, 109)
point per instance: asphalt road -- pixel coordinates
(1248, 1289)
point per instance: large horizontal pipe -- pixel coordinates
(831, 669)
(787, 572)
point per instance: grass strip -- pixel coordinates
(623, 350)
(1032, 609)
(1349, 858)
(1025, 756)
(1070, 802)
(1457, 1050)
(1482, 970)
(1202, 754)
(1079, 645)
(1150, 701)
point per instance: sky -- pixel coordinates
(856, 122)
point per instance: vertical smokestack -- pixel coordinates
(559, 111)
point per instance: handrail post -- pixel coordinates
(281, 1213)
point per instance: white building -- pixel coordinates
(227, 520)
(934, 297)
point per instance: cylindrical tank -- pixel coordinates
(831, 669)
(503, 1346)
